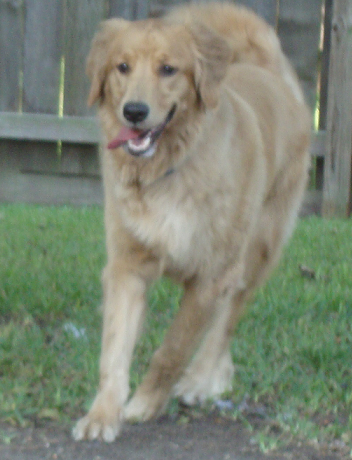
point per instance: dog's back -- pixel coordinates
(251, 39)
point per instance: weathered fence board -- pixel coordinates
(325, 64)
(323, 87)
(81, 22)
(41, 82)
(37, 187)
(10, 52)
(299, 26)
(80, 130)
(40, 127)
(42, 55)
(121, 8)
(10, 66)
(129, 9)
(337, 178)
(268, 9)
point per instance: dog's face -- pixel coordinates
(152, 73)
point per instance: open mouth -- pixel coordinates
(138, 142)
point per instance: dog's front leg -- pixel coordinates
(124, 302)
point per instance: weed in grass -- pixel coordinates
(292, 350)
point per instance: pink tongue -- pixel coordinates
(124, 135)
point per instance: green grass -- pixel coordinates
(293, 350)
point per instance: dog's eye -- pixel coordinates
(167, 70)
(123, 67)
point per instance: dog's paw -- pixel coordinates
(102, 422)
(90, 429)
(197, 386)
(144, 407)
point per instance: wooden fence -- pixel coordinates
(49, 138)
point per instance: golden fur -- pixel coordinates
(211, 208)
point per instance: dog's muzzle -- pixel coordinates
(138, 142)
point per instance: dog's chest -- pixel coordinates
(167, 224)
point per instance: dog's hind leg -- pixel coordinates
(210, 372)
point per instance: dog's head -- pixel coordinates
(151, 75)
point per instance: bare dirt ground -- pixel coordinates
(203, 438)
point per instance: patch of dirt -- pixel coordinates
(205, 438)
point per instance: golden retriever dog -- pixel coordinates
(204, 161)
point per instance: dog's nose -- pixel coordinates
(135, 111)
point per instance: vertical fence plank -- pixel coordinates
(325, 63)
(42, 55)
(40, 70)
(323, 90)
(10, 52)
(337, 178)
(41, 84)
(81, 22)
(121, 9)
(299, 30)
(267, 9)
(129, 9)
(10, 67)
(142, 8)
(41, 66)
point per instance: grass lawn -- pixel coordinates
(293, 350)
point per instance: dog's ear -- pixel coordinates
(212, 58)
(97, 60)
